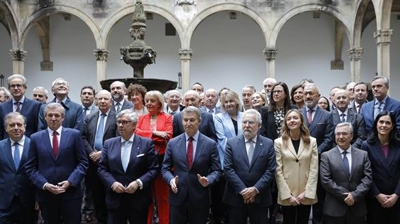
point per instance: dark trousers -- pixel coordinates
(349, 218)
(273, 209)
(379, 215)
(17, 213)
(319, 206)
(296, 214)
(218, 208)
(187, 213)
(54, 210)
(96, 190)
(125, 213)
(239, 215)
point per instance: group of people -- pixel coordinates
(128, 154)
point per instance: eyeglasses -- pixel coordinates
(123, 122)
(16, 85)
(38, 95)
(248, 122)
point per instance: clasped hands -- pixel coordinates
(60, 188)
(249, 194)
(130, 189)
(174, 182)
(297, 200)
(387, 201)
(95, 156)
(349, 200)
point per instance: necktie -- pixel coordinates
(172, 112)
(18, 109)
(189, 153)
(377, 109)
(125, 159)
(118, 107)
(98, 140)
(85, 110)
(211, 111)
(343, 117)
(251, 151)
(17, 155)
(55, 143)
(346, 162)
(309, 116)
(358, 108)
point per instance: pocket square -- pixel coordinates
(140, 155)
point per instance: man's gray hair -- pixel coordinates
(344, 124)
(255, 112)
(192, 109)
(133, 117)
(53, 106)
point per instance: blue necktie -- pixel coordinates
(343, 118)
(98, 141)
(17, 155)
(125, 159)
(346, 162)
(377, 108)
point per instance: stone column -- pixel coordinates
(186, 55)
(383, 39)
(270, 55)
(18, 56)
(355, 55)
(101, 58)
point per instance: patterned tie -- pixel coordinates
(17, 155)
(98, 141)
(55, 143)
(118, 107)
(346, 162)
(18, 108)
(309, 116)
(343, 117)
(377, 108)
(211, 111)
(189, 153)
(251, 151)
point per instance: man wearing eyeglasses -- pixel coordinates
(19, 103)
(40, 94)
(127, 167)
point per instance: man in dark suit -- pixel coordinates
(320, 125)
(210, 102)
(40, 94)
(360, 96)
(380, 88)
(19, 103)
(343, 113)
(173, 99)
(249, 167)
(191, 165)
(73, 117)
(57, 164)
(191, 98)
(127, 167)
(346, 175)
(118, 91)
(17, 204)
(99, 126)
(87, 99)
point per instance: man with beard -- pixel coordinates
(73, 117)
(118, 91)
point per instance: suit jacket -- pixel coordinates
(70, 164)
(367, 111)
(125, 105)
(206, 125)
(296, 172)
(14, 181)
(90, 129)
(30, 110)
(142, 165)
(385, 172)
(241, 174)
(336, 181)
(217, 110)
(321, 128)
(164, 123)
(206, 163)
(358, 123)
(74, 117)
(268, 126)
(225, 130)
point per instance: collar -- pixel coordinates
(253, 139)
(106, 113)
(382, 102)
(20, 142)
(348, 150)
(195, 136)
(130, 139)
(313, 109)
(340, 112)
(21, 100)
(120, 102)
(58, 130)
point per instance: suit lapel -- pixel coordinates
(257, 150)
(24, 155)
(47, 143)
(229, 125)
(109, 122)
(243, 151)
(339, 160)
(336, 118)
(134, 151)
(391, 155)
(8, 154)
(199, 150)
(182, 150)
(63, 140)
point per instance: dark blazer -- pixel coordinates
(125, 105)
(30, 110)
(385, 172)
(336, 182)
(206, 163)
(268, 126)
(239, 174)
(205, 109)
(358, 123)
(90, 129)
(367, 111)
(321, 128)
(142, 165)
(14, 181)
(207, 127)
(74, 117)
(70, 164)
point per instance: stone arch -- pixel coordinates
(219, 8)
(359, 22)
(128, 9)
(27, 23)
(386, 12)
(307, 8)
(10, 20)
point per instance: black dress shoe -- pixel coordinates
(88, 219)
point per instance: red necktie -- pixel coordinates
(309, 116)
(189, 153)
(55, 144)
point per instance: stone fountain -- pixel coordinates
(138, 55)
